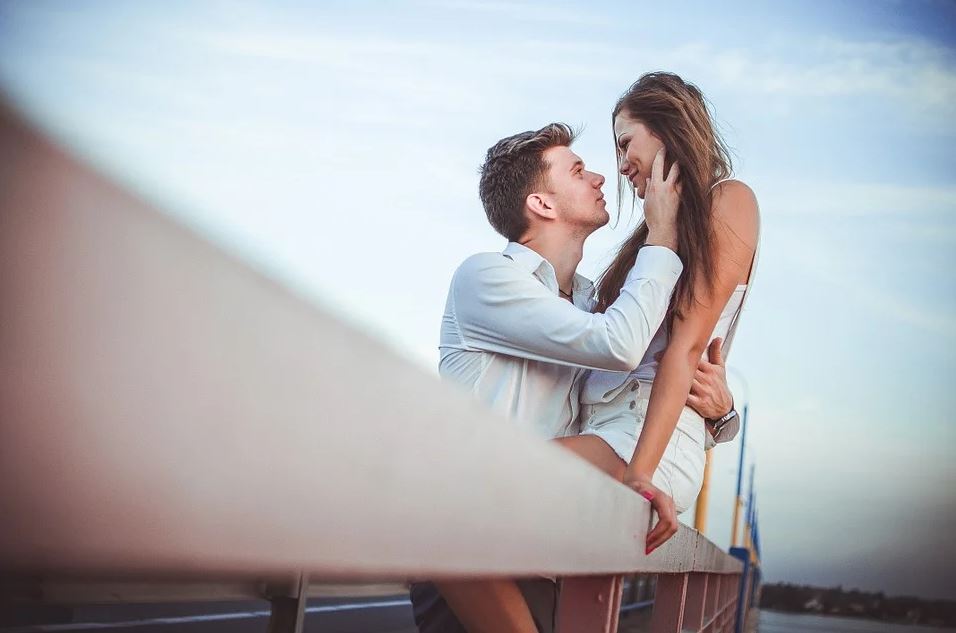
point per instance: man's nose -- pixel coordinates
(598, 181)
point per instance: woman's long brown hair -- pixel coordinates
(676, 113)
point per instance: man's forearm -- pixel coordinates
(500, 308)
(666, 237)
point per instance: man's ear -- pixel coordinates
(540, 205)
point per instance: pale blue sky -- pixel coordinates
(336, 147)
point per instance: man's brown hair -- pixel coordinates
(513, 169)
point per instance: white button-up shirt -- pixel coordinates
(519, 347)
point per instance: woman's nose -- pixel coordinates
(622, 165)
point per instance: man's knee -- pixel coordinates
(430, 610)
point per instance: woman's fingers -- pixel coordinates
(666, 522)
(662, 503)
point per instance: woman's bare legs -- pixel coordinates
(593, 449)
(497, 606)
(488, 606)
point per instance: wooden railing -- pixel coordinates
(168, 414)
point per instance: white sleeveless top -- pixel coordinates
(602, 386)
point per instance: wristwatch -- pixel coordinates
(719, 424)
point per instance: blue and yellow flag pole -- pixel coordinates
(738, 501)
(700, 510)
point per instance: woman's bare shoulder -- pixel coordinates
(735, 205)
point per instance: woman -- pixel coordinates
(650, 438)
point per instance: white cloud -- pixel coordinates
(857, 199)
(919, 76)
(524, 11)
(853, 269)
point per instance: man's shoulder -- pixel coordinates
(479, 260)
(482, 265)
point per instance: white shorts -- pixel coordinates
(618, 422)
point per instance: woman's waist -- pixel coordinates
(603, 386)
(632, 397)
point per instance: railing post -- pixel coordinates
(712, 602)
(288, 612)
(731, 585)
(755, 584)
(743, 592)
(589, 603)
(694, 602)
(694, 612)
(668, 615)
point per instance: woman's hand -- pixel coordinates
(662, 503)
(661, 201)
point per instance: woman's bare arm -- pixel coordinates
(735, 235)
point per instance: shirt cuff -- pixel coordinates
(658, 263)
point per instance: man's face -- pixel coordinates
(575, 192)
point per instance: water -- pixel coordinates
(776, 622)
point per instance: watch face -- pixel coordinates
(727, 418)
(728, 429)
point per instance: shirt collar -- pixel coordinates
(532, 261)
(525, 257)
(582, 283)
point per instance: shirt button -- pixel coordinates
(634, 385)
(632, 405)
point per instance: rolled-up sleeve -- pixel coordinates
(500, 307)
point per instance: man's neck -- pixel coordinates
(562, 252)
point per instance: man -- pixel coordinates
(518, 332)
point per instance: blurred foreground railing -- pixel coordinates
(168, 415)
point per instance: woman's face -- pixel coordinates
(636, 149)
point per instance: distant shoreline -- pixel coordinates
(857, 605)
(793, 620)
